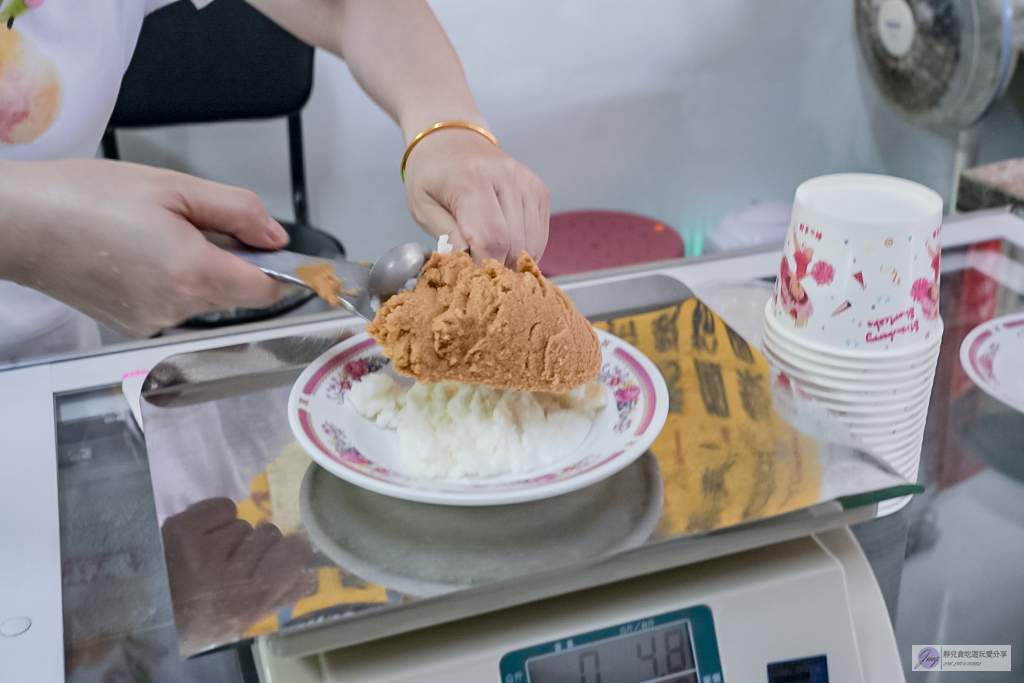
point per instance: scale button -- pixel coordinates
(15, 626)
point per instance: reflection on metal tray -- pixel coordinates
(628, 297)
(992, 430)
(734, 472)
(429, 550)
(234, 370)
(118, 621)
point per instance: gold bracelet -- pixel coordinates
(445, 124)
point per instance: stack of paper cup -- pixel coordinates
(854, 320)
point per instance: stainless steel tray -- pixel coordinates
(216, 426)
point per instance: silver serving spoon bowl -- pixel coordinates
(394, 269)
(360, 281)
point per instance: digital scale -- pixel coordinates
(787, 598)
(804, 611)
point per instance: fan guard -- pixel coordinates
(941, 62)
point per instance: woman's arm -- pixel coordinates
(123, 243)
(457, 182)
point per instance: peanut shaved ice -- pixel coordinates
(451, 429)
(487, 325)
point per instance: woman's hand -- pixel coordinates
(123, 243)
(458, 183)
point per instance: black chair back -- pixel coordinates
(224, 62)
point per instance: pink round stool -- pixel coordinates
(581, 241)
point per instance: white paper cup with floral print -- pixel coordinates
(860, 267)
(865, 358)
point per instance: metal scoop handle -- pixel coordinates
(281, 265)
(387, 277)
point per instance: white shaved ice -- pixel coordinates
(450, 429)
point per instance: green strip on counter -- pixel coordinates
(862, 499)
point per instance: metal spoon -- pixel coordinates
(360, 281)
(395, 268)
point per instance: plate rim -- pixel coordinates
(969, 346)
(653, 422)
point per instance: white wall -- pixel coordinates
(680, 109)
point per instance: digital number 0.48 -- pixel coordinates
(669, 659)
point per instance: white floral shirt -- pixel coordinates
(61, 64)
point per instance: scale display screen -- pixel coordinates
(664, 653)
(677, 647)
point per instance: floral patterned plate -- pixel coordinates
(993, 357)
(353, 448)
